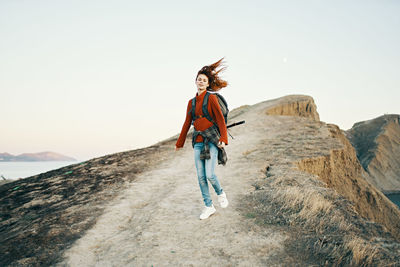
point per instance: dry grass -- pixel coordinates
(364, 252)
(325, 229)
(312, 202)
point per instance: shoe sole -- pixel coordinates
(208, 216)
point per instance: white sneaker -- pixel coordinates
(223, 201)
(207, 211)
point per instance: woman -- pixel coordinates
(207, 81)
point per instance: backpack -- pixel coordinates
(222, 103)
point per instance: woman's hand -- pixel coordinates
(177, 148)
(221, 144)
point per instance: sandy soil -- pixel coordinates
(156, 220)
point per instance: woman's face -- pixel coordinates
(202, 82)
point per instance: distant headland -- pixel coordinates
(41, 156)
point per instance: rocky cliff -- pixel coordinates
(377, 143)
(342, 171)
(295, 105)
(297, 193)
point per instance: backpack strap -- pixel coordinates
(205, 109)
(193, 109)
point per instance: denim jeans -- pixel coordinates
(205, 171)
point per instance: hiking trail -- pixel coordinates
(155, 221)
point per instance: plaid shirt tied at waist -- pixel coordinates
(210, 135)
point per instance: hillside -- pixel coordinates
(298, 196)
(377, 143)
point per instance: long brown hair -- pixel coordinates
(214, 81)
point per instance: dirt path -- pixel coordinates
(156, 220)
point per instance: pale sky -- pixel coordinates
(90, 78)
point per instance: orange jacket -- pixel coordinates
(202, 124)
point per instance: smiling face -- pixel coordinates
(202, 82)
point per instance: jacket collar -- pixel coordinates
(202, 94)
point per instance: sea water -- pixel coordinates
(22, 169)
(395, 198)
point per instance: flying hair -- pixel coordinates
(214, 81)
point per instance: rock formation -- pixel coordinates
(342, 171)
(295, 105)
(284, 179)
(377, 143)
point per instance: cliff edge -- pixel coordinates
(295, 105)
(377, 142)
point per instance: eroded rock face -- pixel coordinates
(295, 105)
(342, 171)
(377, 143)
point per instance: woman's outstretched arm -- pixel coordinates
(185, 128)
